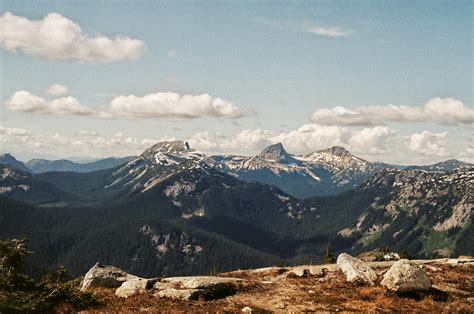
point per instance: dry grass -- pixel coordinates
(331, 293)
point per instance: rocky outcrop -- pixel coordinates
(206, 287)
(355, 270)
(405, 277)
(379, 255)
(105, 276)
(179, 294)
(134, 286)
(183, 288)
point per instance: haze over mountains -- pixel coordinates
(174, 210)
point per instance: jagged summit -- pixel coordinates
(276, 153)
(8, 159)
(336, 150)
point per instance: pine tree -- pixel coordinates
(329, 257)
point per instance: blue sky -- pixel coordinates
(277, 62)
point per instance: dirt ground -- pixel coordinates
(272, 290)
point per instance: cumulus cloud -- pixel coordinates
(57, 37)
(378, 143)
(306, 139)
(24, 101)
(15, 140)
(428, 143)
(158, 105)
(446, 111)
(371, 140)
(170, 105)
(58, 90)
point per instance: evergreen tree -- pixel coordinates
(329, 257)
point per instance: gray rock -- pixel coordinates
(210, 287)
(105, 276)
(449, 289)
(203, 282)
(355, 270)
(317, 271)
(180, 294)
(406, 277)
(297, 273)
(134, 286)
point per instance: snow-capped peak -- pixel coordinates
(173, 147)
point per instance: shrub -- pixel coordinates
(21, 293)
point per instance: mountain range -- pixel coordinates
(175, 210)
(44, 165)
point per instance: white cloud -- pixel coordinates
(306, 27)
(170, 105)
(331, 31)
(24, 101)
(57, 37)
(158, 105)
(87, 133)
(13, 131)
(428, 143)
(371, 140)
(27, 143)
(58, 90)
(446, 111)
(378, 143)
(307, 138)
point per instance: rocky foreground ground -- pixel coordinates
(349, 285)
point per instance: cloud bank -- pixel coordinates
(157, 105)
(58, 38)
(445, 111)
(377, 143)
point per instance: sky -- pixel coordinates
(391, 81)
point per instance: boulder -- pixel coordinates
(203, 282)
(134, 286)
(355, 270)
(405, 277)
(210, 287)
(179, 294)
(105, 276)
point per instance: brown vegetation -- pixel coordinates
(272, 290)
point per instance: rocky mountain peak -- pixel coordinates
(173, 147)
(8, 159)
(336, 150)
(275, 152)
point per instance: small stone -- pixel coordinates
(247, 310)
(297, 273)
